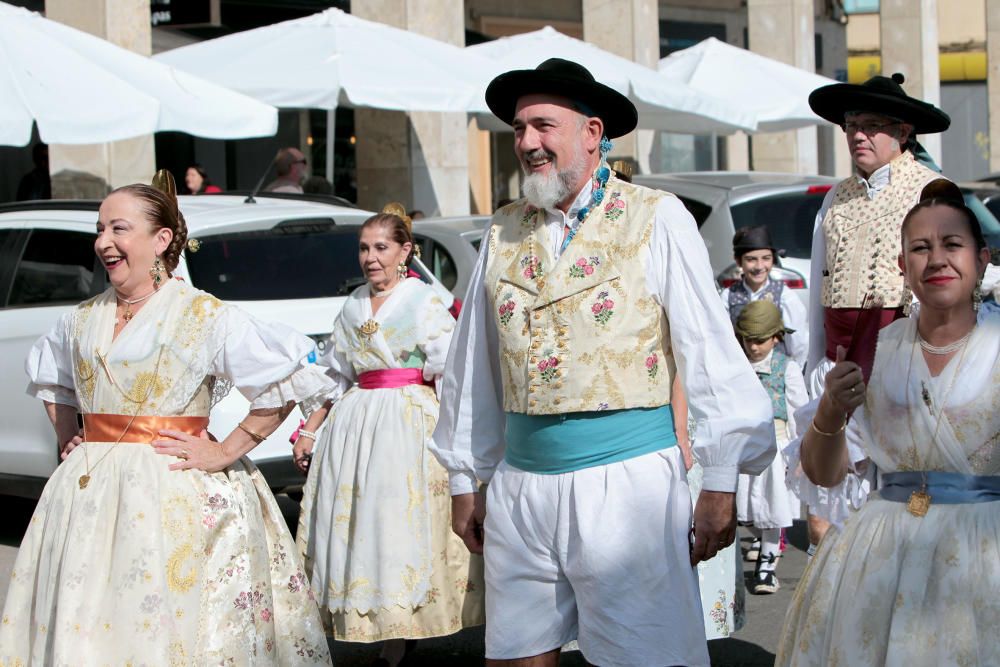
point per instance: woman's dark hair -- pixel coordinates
(159, 203)
(205, 180)
(942, 192)
(393, 217)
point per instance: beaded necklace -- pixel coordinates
(601, 177)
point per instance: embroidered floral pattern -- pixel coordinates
(652, 366)
(615, 207)
(528, 219)
(506, 309)
(531, 267)
(548, 366)
(584, 267)
(603, 308)
(720, 614)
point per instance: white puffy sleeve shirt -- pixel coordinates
(734, 431)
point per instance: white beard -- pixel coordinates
(546, 190)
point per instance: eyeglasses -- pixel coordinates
(868, 129)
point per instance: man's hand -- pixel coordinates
(468, 513)
(714, 524)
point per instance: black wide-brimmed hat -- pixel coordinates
(748, 239)
(567, 79)
(879, 94)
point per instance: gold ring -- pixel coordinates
(185, 454)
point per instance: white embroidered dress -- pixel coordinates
(147, 565)
(375, 527)
(891, 588)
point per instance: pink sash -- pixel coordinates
(392, 378)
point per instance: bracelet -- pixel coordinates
(307, 434)
(840, 430)
(256, 437)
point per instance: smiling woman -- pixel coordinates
(148, 516)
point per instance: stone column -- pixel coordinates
(630, 29)
(909, 36)
(419, 159)
(127, 24)
(993, 79)
(784, 30)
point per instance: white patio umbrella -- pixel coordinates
(777, 93)
(333, 59)
(81, 89)
(670, 106)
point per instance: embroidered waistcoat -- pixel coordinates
(863, 236)
(581, 333)
(740, 297)
(774, 383)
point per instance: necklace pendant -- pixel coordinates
(127, 316)
(84, 481)
(926, 395)
(919, 503)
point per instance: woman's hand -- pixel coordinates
(302, 452)
(199, 452)
(70, 445)
(845, 386)
(686, 454)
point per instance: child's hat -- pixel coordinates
(760, 320)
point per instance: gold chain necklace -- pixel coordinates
(84, 479)
(920, 501)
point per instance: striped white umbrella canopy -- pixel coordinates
(775, 92)
(81, 89)
(662, 105)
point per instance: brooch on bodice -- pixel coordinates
(367, 330)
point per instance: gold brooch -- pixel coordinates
(368, 328)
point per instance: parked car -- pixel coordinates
(979, 196)
(469, 227)
(722, 202)
(281, 259)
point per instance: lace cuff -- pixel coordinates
(53, 393)
(308, 386)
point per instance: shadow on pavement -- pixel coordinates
(16, 516)
(738, 653)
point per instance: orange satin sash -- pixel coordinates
(144, 429)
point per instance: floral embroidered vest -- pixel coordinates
(774, 384)
(863, 236)
(582, 333)
(740, 297)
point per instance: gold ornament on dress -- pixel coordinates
(367, 330)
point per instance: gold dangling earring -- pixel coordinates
(156, 273)
(402, 271)
(977, 296)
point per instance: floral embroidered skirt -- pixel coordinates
(177, 567)
(375, 528)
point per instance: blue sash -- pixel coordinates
(554, 444)
(945, 488)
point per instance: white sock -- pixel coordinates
(769, 549)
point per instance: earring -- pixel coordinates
(977, 296)
(402, 271)
(156, 273)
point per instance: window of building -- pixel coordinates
(861, 6)
(57, 267)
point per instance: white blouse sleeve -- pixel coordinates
(793, 312)
(796, 395)
(268, 362)
(817, 267)
(734, 428)
(50, 365)
(335, 363)
(469, 438)
(435, 330)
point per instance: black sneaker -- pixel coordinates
(765, 583)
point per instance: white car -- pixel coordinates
(283, 259)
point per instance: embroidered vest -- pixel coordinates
(774, 384)
(863, 236)
(740, 297)
(582, 333)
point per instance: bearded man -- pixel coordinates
(590, 294)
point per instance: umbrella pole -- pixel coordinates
(331, 133)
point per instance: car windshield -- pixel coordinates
(789, 217)
(288, 262)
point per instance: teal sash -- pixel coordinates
(554, 444)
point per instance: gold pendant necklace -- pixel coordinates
(128, 314)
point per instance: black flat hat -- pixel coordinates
(879, 94)
(748, 239)
(567, 79)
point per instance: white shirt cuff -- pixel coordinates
(720, 478)
(463, 482)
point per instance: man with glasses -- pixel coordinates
(290, 165)
(857, 236)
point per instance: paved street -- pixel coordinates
(753, 646)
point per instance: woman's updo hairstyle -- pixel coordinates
(159, 202)
(393, 217)
(942, 192)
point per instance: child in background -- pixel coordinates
(764, 503)
(756, 256)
